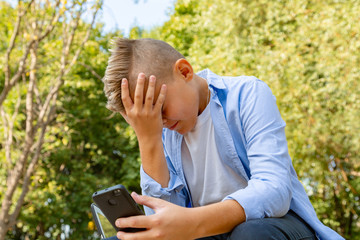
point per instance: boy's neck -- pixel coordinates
(204, 93)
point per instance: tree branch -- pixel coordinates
(91, 70)
(12, 42)
(72, 34)
(15, 78)
(18, 74)
(16, 172)
(345, 177)
(29, 96)
(52, 23)
(5, 120)
(8, 129)
(66, 51)
(32, 165)
(355, 173)
(83, 42)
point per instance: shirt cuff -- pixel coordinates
(265, 202)
(152, 188)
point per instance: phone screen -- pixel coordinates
(105, 228)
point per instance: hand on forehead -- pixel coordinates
(133, 83)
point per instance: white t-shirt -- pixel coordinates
(208, 178)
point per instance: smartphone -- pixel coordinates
(116, 202)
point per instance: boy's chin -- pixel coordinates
(181, 132)
(184, 131)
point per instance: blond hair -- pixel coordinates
(129, 58)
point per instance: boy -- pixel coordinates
(213, 149)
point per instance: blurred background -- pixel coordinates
(59, 143)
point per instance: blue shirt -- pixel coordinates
(250, 134)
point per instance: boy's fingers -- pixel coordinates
(125, 96)
(139, 91)
(151, 202)
(149, 98)
(133, 222)
(161, 98)
(137, 235)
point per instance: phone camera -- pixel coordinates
(112, 202)
(117, 192)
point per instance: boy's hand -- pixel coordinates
(145, 118)
(170, 222)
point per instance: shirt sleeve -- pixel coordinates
(269, 189)
(174, 192)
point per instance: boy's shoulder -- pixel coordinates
(230, 83)
(238, 86)
(241, 81)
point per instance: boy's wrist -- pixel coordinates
(149, 141)
(153, 159)
(228, 214)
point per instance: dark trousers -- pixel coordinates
(289, 227)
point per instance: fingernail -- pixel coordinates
(123, 81)
(117, 223)
(135, 194)
(141, 75)
(152, 78)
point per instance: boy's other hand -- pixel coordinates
(169, 222)
(144, 116)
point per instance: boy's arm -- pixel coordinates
(270, 188)
(153, 160)
(146, 120)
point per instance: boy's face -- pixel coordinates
(181, 106)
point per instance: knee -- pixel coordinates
(252, 230)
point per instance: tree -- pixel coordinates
(29, 109)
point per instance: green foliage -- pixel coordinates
(86, 147)
(308, 53)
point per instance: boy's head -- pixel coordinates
(129, 58)
(186, 93)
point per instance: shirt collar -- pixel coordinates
(213, 80)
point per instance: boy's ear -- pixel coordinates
(184, 68)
